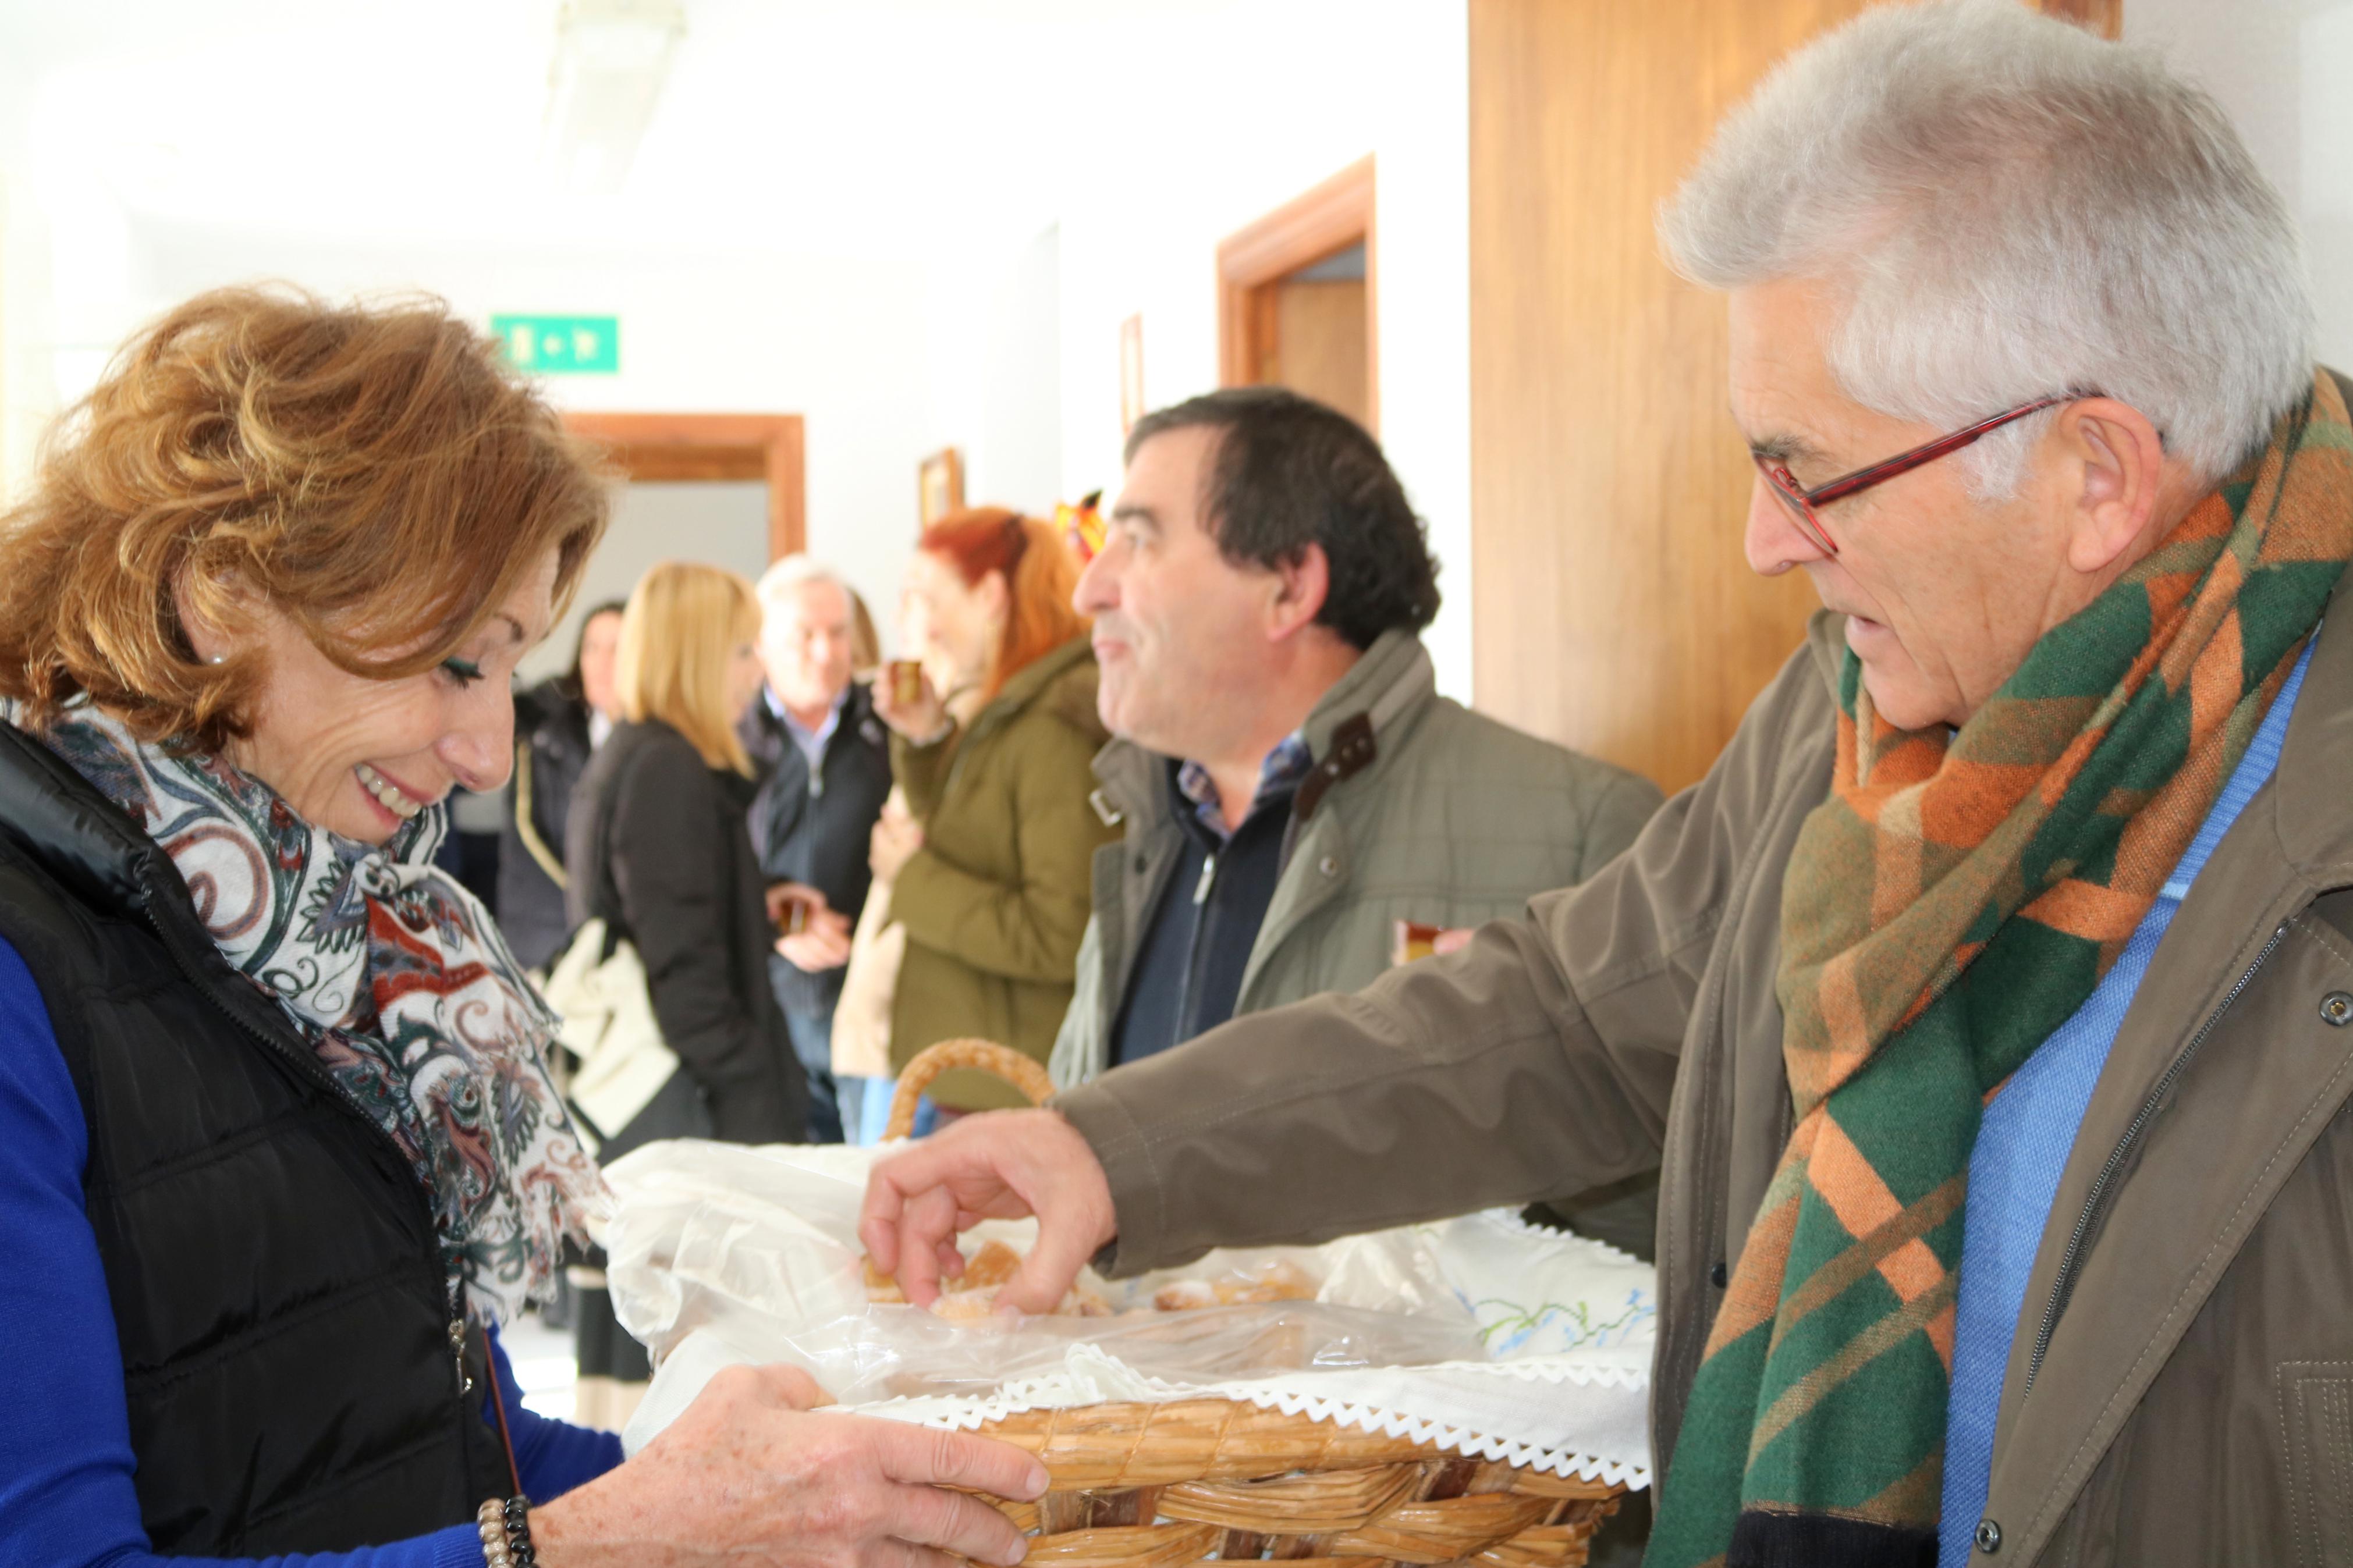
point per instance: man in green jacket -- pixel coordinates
(1288, 783)
(1990, 1005)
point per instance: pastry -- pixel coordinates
(883, 1288)
(1185, 1296)
(973, 1294)
(1276, 1281)
(993, 1264)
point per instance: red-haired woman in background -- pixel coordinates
(992, 879)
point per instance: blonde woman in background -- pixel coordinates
(658, 850)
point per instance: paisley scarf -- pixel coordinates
(400, 983)
(1949, 906)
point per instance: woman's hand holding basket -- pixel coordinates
(750, 1476)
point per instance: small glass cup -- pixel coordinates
(906, 682)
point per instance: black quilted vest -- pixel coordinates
(289, 1358)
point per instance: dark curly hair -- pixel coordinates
(1290, 472)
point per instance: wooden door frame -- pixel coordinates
(766, 446)
(2106, 18)
(1308, 229)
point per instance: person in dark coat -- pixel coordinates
(657, 848)
(559, 723)
(824, 760)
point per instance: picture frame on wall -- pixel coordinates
(939, 485)
(1131, 373)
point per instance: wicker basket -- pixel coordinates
(1166, 1485)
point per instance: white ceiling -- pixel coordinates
(850, 126)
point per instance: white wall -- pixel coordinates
(1174, 124)
(36, 326)
(1222, 128)
(995, 367)
(2284, 72)
(723, 524)
(838, 340)
(886, 360)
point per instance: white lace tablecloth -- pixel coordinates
(723, 1256)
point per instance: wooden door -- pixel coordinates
(1613, 610)
(1319, 344)
(1280, 321)
(706, 446)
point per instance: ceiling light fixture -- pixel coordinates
(611, 59)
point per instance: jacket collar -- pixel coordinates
(1129, 777)
(62, 824)
(852, 710)
(1033, 682)
(1389, 683)
(1826, 640)
(1386, 687)
(1029, 684)
(71, 831)
(2316, 830)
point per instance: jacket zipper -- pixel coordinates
(1201, 891)
(2063, 1286)
(310, 1067)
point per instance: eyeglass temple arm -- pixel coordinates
(1864, 479)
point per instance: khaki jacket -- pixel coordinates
(996, 900)
(1446, 818)
(2181, 1385)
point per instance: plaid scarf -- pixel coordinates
(1953, 901)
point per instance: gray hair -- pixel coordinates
(2012, 207)
(791, 572)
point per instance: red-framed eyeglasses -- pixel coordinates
(1803, 502)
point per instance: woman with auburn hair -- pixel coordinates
(278, 1150)
(992, 862)
(661, 850)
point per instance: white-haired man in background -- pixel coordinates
(1987, 1003)
(825, 771)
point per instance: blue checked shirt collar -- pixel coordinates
(1289, 763)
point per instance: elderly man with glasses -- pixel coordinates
(1987, 1004)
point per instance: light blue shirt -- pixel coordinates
(2022, 1146)
(810, 742)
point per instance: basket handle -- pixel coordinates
(986, 1056)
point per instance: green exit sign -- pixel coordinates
(562, 345)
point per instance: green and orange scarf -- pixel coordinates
(1953, 901)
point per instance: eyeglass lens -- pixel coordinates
(1782, 485)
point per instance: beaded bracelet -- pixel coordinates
(505, 1530)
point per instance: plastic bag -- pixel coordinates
(905, 1353)
(759, 1246)
(1495, 1339)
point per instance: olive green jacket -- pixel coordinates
(996, 900)
(1441, 817)
(2180, 1380)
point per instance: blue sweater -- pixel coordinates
(66, 1497)
(2024, 1143)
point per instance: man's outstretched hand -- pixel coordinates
(1003, 1165)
